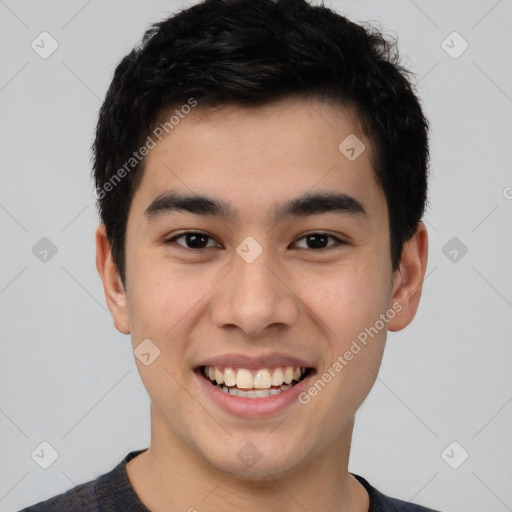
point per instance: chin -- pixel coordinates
(256, 460)
(261, 472)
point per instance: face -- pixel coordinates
(277, 283)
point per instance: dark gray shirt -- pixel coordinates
(113, 491)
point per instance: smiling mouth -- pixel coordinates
(261, 383)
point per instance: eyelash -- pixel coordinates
(337, 243)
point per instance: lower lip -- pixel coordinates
(253, 407)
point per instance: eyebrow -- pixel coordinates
(304, 205)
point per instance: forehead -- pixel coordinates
(255, 159)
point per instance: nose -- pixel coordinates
(255, 297)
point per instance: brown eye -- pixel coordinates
(319, 241)
(193, 240)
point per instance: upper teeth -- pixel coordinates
(263, 378)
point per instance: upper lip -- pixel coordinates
(255, 363)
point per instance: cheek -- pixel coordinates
(167, 307)
(164, 299)
(164, 306)
(347, 300)
(356, 335)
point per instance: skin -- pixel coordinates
(293, 299)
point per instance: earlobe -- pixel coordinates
(115, 293)
(408, 279)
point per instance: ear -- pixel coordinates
(112, 284)
(408, 279)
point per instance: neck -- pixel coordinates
(171, 474)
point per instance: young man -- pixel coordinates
(261, 173)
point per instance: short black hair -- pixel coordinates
(255, 52)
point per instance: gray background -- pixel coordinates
(68, 377)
